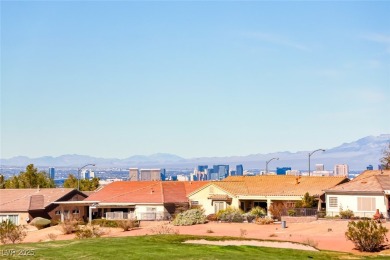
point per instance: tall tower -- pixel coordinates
(133, 174)
(52, 173)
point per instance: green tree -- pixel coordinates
(30, 178)
(385, 160)
(2, 181)
(306, 202)
(85, 184)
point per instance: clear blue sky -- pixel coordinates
(115, 79)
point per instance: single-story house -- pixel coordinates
(246, 192)
(368, 192)
(144, 200)
(22, 205)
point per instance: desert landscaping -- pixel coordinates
(321, 234)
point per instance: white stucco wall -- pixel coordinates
(143, 208)
(351, 202)
(202, 198)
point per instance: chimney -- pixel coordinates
(297, 181)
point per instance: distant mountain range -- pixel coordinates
(358, 155)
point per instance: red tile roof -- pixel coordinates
(22, 200)
(145, 192)
(368, 184)
(369, 173)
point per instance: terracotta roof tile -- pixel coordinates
(19, 200)
(369, 184)
(369, 173)
(278, 185)
(145, 192)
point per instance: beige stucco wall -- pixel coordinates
(202, 198)
(351, 202)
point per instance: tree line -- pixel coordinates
(32, 178)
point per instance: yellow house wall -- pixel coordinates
(202, 198)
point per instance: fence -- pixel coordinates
(116, 215)
(299, 212)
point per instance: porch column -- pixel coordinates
(268, 205)
(89, 214)
(62, 213)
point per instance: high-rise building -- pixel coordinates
(320, 167)
(133, 174)
(341, 170)
(239, 170)
(282, 170)
(87, 174)
(221, 170)
(52, 173)
(202, 168)
(152, 175)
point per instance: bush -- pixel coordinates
(127, 224)
(212, 217)
(276, 209)
(258, 212)
(69, 226)
(230, 214)
(190, 217)
(164, 229)
(291, 212)
(11, 232)
(321, 214)
(89, 231)
(367, 235)
(264, 221)
(105, 223)
(40, 223)
(249, 217)
(346, 214)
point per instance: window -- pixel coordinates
(13, 218)
(58, 212)
(219, 205)
(333, 203)
(76, 211)
(366, 204)
(194, 203)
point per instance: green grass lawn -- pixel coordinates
(157, 247)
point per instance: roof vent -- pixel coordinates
(297, 181)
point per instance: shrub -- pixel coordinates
(40, 223)
(258, 212)
(127, 224)
(276, 209)
(230, 214)
(291, 212)
(105, 223)
(212, 217)
(52, 236)
(346, 214)
(367, 235)
(243, 232)
(164, 229)
(69, 226)
(190, 217)
(249, 217)
(264, 221)
(89, 231)
(321, 214)
(11, 232)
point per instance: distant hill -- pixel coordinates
(357, 155)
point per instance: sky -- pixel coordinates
(191, 78)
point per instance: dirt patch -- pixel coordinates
(252, 243)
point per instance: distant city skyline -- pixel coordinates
(196, 79)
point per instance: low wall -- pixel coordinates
(289, 219)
